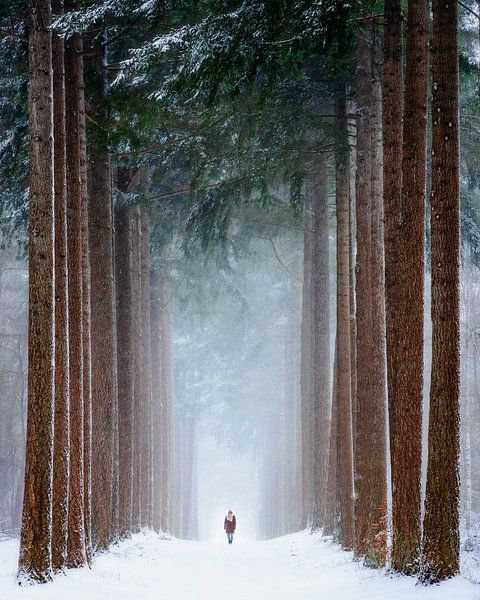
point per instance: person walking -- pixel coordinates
(229, 525)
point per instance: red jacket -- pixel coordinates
(229, 526)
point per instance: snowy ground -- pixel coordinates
(295, 567)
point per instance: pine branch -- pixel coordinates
(7, 33)
(283, 265)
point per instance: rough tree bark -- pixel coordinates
(61, 465)
(35, 543)
(370, 406)
(306, 366)
(125, 362)
(147, 479)
(392, 182)
(377, 541)
(406, 272)
(86, 321)
(441, 544)
(138, 372)
(362, 289)
(104, 338)
(344, 440)
(466, 421)
(321, 345)
(352, 163)
(73, 76)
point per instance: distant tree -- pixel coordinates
(330, 524)
(306, 379)
(138, 414)
(162, 401)
(147, 433)
(125, 361)
(321, 338)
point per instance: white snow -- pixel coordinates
(295, 567)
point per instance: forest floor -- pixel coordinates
(295, 567)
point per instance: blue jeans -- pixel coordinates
(230, 537)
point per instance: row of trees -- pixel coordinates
(387, 303)
(91, 334)
(227, 132)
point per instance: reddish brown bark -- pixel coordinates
(441, 543)
(104, 361)
(138, 423)
(377, 549)
(351, 130)
(306, 366)
(362, 289)
(61, 467)
(35, 543)
(370, 435)
(321, 343)
(125, 362)
(147, 480)
(407, 305)
(343, 409)
(86, 318)
(392, 180)
(73, 91)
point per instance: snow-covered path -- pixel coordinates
(295, 567)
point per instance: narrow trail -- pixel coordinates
(295, 567)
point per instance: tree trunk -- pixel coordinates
(161, 400)
(61, 467)
(73, 91)
(147, 482)
(290, 490)
(189, 436)
(86, 324)
(407, 309)
(441, 542)
(466, 428)
(167, 405)
(370, 417)
(104, 342)
(306, 366)
(178, 493)
(331, 508)
(343, 414)
(352, 163)
(138, 424)
(378, 393)
(125, 362)
(158, 474)
(35, 543)
(321, 332)
(362, 289)
(392, 182)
